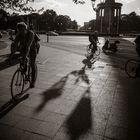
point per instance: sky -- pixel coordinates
(82, 13)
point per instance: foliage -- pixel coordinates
(81, 1)
(47, 21)
(130, 22)
(16, 5)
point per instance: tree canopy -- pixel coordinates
(16, 5)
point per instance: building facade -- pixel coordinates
(108, 15)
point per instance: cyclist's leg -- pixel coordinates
(94, 48)
(90, 45)
(33, 68)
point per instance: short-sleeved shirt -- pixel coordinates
(93, 37)
(137, 41)
(23, 42)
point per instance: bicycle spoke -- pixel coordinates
(131, 68)
(17, 84)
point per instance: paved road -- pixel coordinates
(77, 45)
(70, 101)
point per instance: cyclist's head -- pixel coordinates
(21, 27)
(96, 32)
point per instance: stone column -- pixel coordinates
(109, 25)
(118, 19)
(101, 28)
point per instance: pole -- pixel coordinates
(47, 37)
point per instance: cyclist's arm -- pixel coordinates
(16, 42)
(29, 43)
(98, 40)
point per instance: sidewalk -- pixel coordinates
(3, 43)
(71, 102)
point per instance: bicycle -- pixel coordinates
(89, 50)
(90, 56)
(131, 67)
(20, 78)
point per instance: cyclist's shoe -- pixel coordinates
(32, 85)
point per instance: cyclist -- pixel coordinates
(93, 38)
(137, 42)
(25, 38)
(36, 37)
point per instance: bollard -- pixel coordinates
(47, 38)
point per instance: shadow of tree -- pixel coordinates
(80, 74)
(53, 92)
(8, 106)
(80, 120)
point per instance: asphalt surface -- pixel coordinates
(70, 100)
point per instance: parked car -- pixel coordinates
(0, 35)
(52, 33)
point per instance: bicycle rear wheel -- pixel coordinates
(131, 67)
(17, 85)
(88, 49)
(98, 51)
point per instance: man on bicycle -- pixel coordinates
(137, 42)
(93, 38)
(25, 38)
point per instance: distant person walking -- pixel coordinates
(137, 42)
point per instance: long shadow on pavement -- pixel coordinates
(4, 109)
(124, 120)
(80, 120)
(6, 62)
(80, 74)
(53, 92)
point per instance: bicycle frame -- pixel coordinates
(25, 68)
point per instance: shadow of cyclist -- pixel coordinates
(80, 74)
(8, 106)
(53, 92)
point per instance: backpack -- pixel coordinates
(37, 39)
(36, 36)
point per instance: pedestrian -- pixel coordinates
(137, 43)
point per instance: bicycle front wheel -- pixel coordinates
(131, 67)
(30, 73)
(17, 85)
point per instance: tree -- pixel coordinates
(73, 25)
(3, 19)
(47, 20)
(82, 1)
(16, 5)
(79, 1)
(62, 22)
(130, 22)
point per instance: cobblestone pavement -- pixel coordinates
(71, 101)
